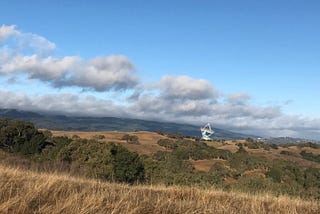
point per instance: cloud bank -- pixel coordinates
(115, 72)
(172, 98)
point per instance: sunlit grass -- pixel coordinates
(23, 191)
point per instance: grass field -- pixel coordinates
(24, 191)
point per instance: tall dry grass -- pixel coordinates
(23, 191)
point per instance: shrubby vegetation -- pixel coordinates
(285, 152)
(132, 139)
(242, 161)
(196, 150)
(167, 143)
(253, 144)
(102, 161)
(310, 156)
(89, 158)
(99, 137)
(310, 144)
(21, 137)
(112, 162)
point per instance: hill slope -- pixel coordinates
(148, 145)
(240, 166)
(61, 122)
(29, 192)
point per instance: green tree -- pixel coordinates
(127, 165)
(21, 137)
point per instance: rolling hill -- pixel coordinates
(148, 145)
(68, 123)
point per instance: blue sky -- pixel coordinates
(247, 56)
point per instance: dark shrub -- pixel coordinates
(127, 166)
(285, 152)
(310, 156)
(21, 137)
(167, 143)
(132, 139)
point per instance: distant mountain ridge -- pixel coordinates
(71, 123)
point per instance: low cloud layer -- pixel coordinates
(261, 121)
(172, 98)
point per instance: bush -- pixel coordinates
(196, 150)
(51, 151)
(169, 170)
(99, 137)
(254, 184)
(241, 149)
(310, 156)
(101, 160)
(132, 139)
(274, 146)
(21, 137)
(310, 144)
(254, 145)
(286, 172)
(167, 143)
(220, 171)
(285, 152)
(127, 166)
(242, 161)
(312, 183)
(75, 137)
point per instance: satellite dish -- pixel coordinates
(206, 132)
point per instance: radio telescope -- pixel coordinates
(206, 132)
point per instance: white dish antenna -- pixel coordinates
(206, 132)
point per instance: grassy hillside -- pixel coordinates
(191, 168)
(148, 146)
(147, 140)
(29, 192)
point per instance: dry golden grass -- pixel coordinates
(29, 192)
(232, 147)
(205, 165)
(256, 172)
(148, 140)
(312, 150)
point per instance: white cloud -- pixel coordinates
(46, 69)
(239, 98)
(7, 31)
(65, 103)
(185, 87)
(115, 72)
(35, 42)
(25, 41)
(102, 74)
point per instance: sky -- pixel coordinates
(248, 66)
